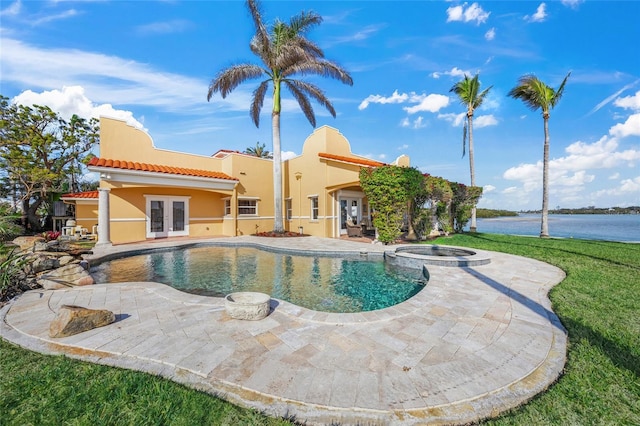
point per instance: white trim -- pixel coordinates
(350, 194)
(313, 195)
(252, 217)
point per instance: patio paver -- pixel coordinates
(474, 342)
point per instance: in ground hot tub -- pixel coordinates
(424, 254)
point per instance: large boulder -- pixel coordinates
(72, 320)
(69, 275)
(27, 242)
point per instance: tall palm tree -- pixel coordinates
(537, 95)
(258, 151)
(468, 91)
(284, 52)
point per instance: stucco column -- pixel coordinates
(104, 231)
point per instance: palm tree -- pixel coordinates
(258, 151)
(467, 91)
(284, 52)
(537, 95)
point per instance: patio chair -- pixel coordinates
(353, 230)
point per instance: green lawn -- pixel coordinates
(598, 303)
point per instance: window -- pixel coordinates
(314, 208)
(247, 207)
(227, 207)
(289, 209)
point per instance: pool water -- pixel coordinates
(329, 284)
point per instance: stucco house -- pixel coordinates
(146, 192)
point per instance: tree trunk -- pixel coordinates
(278, 224)
(473, 226)
(544, 229)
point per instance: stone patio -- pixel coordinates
(474, 342)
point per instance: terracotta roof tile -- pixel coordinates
(83, 195)
(157, 168)
(353, 160)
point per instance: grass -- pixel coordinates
(598, 303)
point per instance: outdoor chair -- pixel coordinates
(353, 230)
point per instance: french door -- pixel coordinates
(167, 216)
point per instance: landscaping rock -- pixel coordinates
(27, 242)
(70, 275)
(65, 260)
(72, 320)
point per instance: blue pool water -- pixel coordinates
(329, 284)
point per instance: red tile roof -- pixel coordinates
(157, 168)
(83, 195)
(353, 160)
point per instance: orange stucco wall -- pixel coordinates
(303, 177)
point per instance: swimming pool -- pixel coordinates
(322, 283)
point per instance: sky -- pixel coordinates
(151, 63)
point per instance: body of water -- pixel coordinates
(623, 227)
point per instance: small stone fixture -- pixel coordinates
(72, 320)
(247, 305)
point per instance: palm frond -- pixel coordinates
(229, 78)
(313, 91)
(464, 136)
(302, 99)
(560, 90)
(304, 22)
(321, 67)
(257, 101)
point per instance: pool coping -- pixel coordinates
(508, 349)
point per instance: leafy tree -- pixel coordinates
(439, 196)
(258, 151)
(464, 200)
(415, 185)
(386, 190)
(468, 91)
(41, 155)
(284, 52)
(537, 95)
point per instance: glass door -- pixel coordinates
(167, 216)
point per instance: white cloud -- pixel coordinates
(614, 96)
(631, 127)
(629, 102)
(480, 121)
(288, 155)
(166, 27)
(72, 100)
(615, 176)
(572, 170)
(430, 103)
(539, 16)
(403, 147)
(418, 123)
(467, 14)
(49, 18)
(395, 98)
(510, 190)
(488, 188)
(484, 121)
(455, 72)
(456, 120)
(491, 34)
(627, 187)
(572, 3)
(12, 10)
(109, 79)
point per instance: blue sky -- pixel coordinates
(150, 62)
